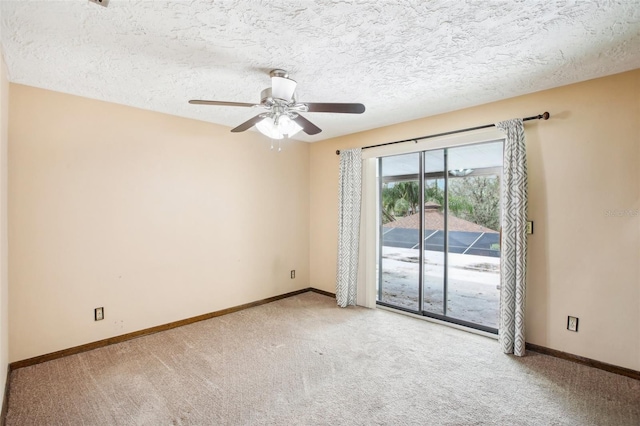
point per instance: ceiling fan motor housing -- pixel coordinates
(265, 96)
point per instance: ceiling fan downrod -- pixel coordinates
(278, 73)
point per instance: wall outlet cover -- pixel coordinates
(572, 324)
(98, 314)
(529, 227)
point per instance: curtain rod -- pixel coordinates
(543, 116)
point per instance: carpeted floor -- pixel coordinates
(304, 361)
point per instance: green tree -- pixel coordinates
(433, 192)
(472, 198)
(399, 199)
(388, 204)
(410, 193)
(458, 205)
(403, 198)
(482, 196)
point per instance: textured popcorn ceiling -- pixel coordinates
(402, 59)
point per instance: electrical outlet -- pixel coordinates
(104, 3)
(572, 324)
(529, 227)
(98, 314)
(293, 273)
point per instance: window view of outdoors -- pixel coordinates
(464, 285)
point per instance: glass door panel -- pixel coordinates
(434, 233)
(473, 258)
(400, 231)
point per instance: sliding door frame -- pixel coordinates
(422, 176)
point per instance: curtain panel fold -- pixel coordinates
(513, 265)
(349, 204)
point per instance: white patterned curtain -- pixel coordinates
(513, 265)
(349, 201)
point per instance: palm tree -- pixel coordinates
(389, 197)
(410, 193)
(399, 199)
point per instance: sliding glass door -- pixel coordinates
(439, 233)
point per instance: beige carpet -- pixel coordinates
(302, 360)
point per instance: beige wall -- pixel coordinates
(156, 218)
(582, 162)
(4, 275)
(159, 218)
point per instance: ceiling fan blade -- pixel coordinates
(307, 126)
(248, 124)
(221, 103)
(340, 108)
(283, 88)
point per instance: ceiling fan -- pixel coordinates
(282, 110)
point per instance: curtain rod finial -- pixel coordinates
(337, 152)
(545, 115)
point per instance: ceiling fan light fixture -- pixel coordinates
(285, 127)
